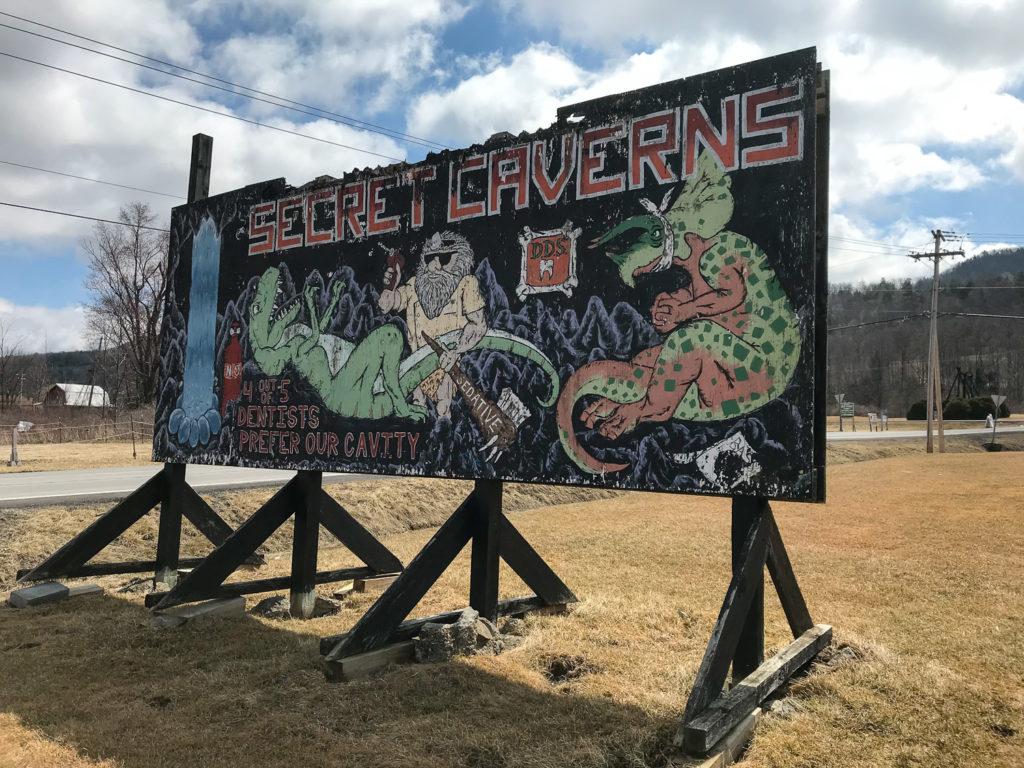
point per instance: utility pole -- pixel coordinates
(933, 398)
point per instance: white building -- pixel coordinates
(76, 395)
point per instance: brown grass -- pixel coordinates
(41, 457)
(867, 450)
(921, 575)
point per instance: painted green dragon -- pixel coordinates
(368, 380)
(732, 339)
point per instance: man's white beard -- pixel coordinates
(434, 289)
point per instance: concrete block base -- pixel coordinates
(38, 594)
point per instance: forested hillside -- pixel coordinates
(883, 365)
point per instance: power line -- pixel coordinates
(879, 322)
(878, 243)
(202, 109)
(86, 178)
(318, 113)
(80, 216)
(923, 315)
(354, 122)
(976, 314)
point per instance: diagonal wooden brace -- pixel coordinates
(478, 519)
(710, 713)
(718, 656)
(222, 562)
(93, 539)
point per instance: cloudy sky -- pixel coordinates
(927, 109)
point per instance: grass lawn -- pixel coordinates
(916, 561)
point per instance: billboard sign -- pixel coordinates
(625, 299)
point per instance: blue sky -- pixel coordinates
(927, 131)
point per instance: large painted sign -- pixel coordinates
(625, 299)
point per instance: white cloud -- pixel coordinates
(521, 95)
(354, 57)
(860, 251)
(93, 130)
(42, 329)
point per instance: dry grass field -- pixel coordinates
(916, 561)
(44, 457)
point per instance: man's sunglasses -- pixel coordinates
(443, 257)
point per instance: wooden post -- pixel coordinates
(822, 118)
(304, 545)
(483, 584)
(168, 543)
(60, 431)
(199, 171)
(14, 462)
(131, 421)
(747, 513)
(169, 538)
(738, 636)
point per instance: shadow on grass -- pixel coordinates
(93, 674)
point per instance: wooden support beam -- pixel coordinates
(530, 567)
(209, 523)
(210, 574)
(364, 664)
(483, 577)
(302, 592)
(93, 539)
(271, 584)
(114, 569)
(377, 625)
(700, 734)
(360, 542)
(747, 513)
(714, 668)
(168, 541)
(784, 579)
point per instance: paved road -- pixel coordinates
(76, 486)
(920, 434)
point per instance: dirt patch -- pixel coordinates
(564, 668)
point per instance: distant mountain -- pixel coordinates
(1004, 263)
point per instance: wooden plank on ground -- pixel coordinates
(374, 583)
(272, 584)
(703, 731)
(363, 664)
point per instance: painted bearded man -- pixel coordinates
(444, 296)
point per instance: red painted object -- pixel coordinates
(395, 259)
(232, 370)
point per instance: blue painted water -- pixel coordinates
(197, 416)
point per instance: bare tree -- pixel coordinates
(10, 367)
(127, 281)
